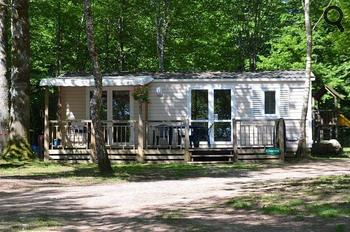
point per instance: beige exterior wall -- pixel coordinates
(73, 102)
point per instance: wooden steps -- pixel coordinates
(212, 155)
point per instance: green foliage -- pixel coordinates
(202, 35)
(141, 93)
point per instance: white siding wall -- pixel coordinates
(172, 105)
(73, 102)
(248, 102)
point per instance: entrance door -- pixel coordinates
(211, 111)
(221, 118)
(121, 130)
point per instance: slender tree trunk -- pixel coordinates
(58, 40)
(20, 102)
(302, 150)
(4, 91)
(162, 23)
(121, 31)
(107, 67)
(160, 42)
(104, 163)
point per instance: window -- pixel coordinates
(222, 104)
(199, 107)
(270, 102)
(121, 105)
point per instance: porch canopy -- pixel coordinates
(68, 80)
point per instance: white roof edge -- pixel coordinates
(79, 81)
(231, 80)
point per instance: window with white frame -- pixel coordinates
(270, 102)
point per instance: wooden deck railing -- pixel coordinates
(254, 133)
(119, 134)
(165, 134)
(76, 134)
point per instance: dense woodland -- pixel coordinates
(187, 36)
(180, 36)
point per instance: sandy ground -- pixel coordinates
(195, 204)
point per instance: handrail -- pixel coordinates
(254, 133)
(77, 134)
(165, 134)
(90, 121)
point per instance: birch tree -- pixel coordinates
(162, 21)
(4, 103)
(103, 161)
(302, 150)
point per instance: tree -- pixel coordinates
(103, 161)
(18, 146)
(4, 103)
(162, 20)
(301, 152)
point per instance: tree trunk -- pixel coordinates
(162, 23)
(20, 102)
(4, 91)
(121, 38)
(302, 149)
(18, 146)
(104, 163)
(58, 39)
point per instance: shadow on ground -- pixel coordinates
(33, 209)
(151, 172)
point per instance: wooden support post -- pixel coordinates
(93, 155)
(281, 137)
(234, 140)
(46, 126)
(187, 142)
(61, 125)
(140, 134)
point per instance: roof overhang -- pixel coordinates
(87, 81)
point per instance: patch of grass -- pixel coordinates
(40, 223)
(89, 174)
(172, 215)
(325, 197)
(242, 203)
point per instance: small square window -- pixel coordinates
(270, 102)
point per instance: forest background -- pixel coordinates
(185, 36)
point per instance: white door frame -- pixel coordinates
(210, 88)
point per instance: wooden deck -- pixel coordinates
(158, 142)
(165, 155)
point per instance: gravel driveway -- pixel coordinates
(178, 205)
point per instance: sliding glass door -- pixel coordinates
(211, 115)
(222, 115)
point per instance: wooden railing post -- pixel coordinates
(281, 137)
(46, 126)
(234, 139)
(187, 142)
(93, 155)
(140, 135)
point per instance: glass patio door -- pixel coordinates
(211, 113)
(122, 132)
(221, 118)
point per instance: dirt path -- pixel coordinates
(190, 204)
